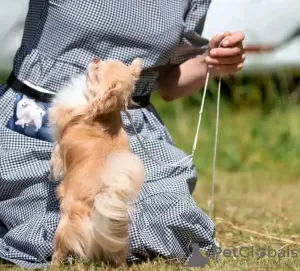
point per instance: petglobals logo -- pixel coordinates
(260, 252)
(198, 260)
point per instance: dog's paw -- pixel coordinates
(53, 178)
(56, 173)
(56, 260)
(92, 71)
(92, 77)
(56, 167)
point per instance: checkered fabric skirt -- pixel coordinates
(60, 39)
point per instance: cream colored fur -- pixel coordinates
(100, 175)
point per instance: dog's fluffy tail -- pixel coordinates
(122, 177)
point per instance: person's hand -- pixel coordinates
(226, 57)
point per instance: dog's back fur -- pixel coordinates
(100, 174)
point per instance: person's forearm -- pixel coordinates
(183, 80)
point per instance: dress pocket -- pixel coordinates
(30, 118)
(13, 136)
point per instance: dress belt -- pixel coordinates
(18, 86)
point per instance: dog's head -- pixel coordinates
(116, 83)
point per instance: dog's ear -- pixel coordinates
(136, 67)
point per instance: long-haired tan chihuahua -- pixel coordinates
(92, 157)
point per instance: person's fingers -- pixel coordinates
(234, 39)
(226, 52)
(225, 61)
(215, 41)
(226, 69)
(227, 33)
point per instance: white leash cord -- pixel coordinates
(211, 204)
(191, 156)
(211, 201)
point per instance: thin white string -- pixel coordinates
(191, 156)
(211, 202)
(200, 114)
(144, 147)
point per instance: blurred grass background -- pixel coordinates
(259, 125)
(258, 173)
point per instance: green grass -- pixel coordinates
(3, 78)
(258, 180)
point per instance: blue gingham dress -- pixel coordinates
(60, 38)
